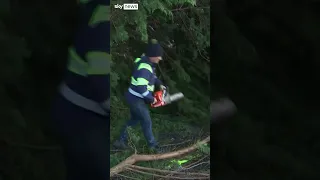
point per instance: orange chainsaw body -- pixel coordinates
(163, 98)
(159, 96)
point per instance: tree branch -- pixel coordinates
(152, 157)
(166, 171)
(157, 175)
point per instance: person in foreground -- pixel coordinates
(80, 112)
(140, 95)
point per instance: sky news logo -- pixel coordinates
(127, 6)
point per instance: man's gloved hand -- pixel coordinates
(162, 87)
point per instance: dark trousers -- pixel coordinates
(139, 112)
(85, 140)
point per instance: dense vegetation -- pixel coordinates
(182, 26)
(34, 37)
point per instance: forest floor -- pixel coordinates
(172, 133)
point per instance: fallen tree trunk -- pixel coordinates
(152, 157)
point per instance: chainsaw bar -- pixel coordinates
(173, 97)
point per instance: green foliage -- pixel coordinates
(182, 27)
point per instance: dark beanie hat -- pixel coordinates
(154, 49)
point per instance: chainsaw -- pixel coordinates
(164, 98)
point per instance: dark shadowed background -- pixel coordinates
(266, 59)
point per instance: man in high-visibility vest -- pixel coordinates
(140, 95)
(81, 109)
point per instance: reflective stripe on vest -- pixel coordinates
(75, 98)
(138, 94)
(99, 15)
(98, 63)
(137, 60)
(142, 81)
(145, 66)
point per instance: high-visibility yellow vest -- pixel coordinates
(142, 81)
(94, 63)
